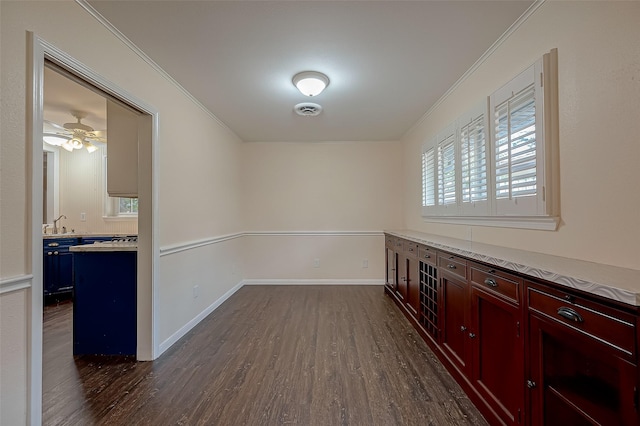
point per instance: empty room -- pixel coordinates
(319, 212)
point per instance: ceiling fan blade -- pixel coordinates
(97, 141)
(54, 125)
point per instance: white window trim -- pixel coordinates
(546, 214)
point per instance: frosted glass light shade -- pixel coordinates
(90, 147)
(310, 83)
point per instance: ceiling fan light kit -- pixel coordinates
(73, 135)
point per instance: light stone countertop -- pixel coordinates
(611, 282)
(105, 247)
(78, 235)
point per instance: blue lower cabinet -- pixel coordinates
(56, 267)
(104, 305)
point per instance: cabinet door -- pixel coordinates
(65, 271)
(50, 272)
(392, 260)
(574, 380)
(413, 287)
(403, 268)
(455, 330)
(498, 355)
(122, 150)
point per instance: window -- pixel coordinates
(493, 166)
(127, 206)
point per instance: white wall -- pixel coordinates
(82, 190)
(599, 106)
(328, 201)
(198, 185)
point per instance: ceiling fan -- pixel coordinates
(72, 136)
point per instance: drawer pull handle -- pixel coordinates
(570, 314)
(426, 256)
(53, 244)
(490, 282)
(451, 266)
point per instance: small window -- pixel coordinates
(127, 206)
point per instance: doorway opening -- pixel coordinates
(63, 175)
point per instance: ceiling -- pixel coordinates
(63, 95)
(388, 61)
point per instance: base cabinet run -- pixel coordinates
(527, 352)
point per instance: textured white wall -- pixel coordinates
(333, 187)
(599, 105)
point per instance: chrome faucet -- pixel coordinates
(55, 223)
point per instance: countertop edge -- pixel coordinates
(611, 282)
(102, 248)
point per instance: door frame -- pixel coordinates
(40, 50)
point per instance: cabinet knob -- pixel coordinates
(472, 335)
(55, 253)
(49, 253)
(531, 384)
(463, 328)
(426, 256)
(451, 266)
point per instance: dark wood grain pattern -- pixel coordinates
(270, 355)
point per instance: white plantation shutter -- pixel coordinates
(428, 178)
(447, 171)
(518, 145)
(515, 151)
(473, 161)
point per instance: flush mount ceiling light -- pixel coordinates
(310, 83)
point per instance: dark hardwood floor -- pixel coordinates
(270, 355)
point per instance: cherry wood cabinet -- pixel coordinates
(391, 263)
(583, 361)
(497, 343)
(411, 276)
(526, 351)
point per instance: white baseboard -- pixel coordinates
(313, 282)
(196, 320)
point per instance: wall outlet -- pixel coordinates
(196, 291)
(83, 217)
(365, 263)
(316, 263)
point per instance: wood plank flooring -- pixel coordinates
(270, 355)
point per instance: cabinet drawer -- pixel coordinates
(427, 255)
(608, 325)
(453, 264)
(389, 242)
(410, 248)
(496, 282)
